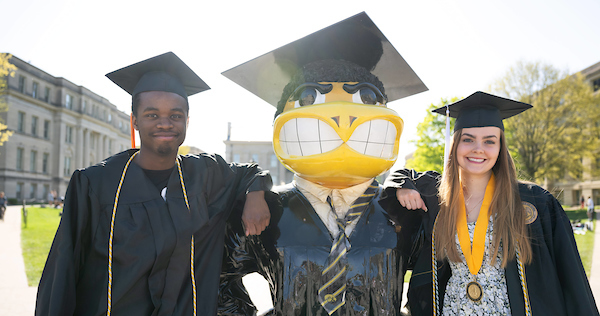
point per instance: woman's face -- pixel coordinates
(478, 149)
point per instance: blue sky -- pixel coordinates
(456, 47)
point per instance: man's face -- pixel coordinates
(161, 120)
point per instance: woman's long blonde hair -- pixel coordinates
(506, 209)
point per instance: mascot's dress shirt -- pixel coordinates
(341, 199)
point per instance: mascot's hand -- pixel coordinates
(256, 215)
(410, 199)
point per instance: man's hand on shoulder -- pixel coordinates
(256, 215)
(410, 199)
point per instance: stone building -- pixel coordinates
(58, 127)
(571, 189)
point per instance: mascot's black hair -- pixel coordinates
(329, 70)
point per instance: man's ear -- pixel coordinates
(134, 122)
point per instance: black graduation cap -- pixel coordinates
(481, 109)
(164, 72)
(356, 39)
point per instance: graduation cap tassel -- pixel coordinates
(132, 131)
(447, 144)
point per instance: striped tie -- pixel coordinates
(332, 293)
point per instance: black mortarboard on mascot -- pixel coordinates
(480, 109)
(164, 72)
(356, 39)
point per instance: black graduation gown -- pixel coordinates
(556, 280)
(291, 253)
(152, 238)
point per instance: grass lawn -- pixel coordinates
(585, 243)
(36, 240)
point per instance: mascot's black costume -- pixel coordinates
(331, 247)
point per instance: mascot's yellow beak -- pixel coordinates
(338, 142)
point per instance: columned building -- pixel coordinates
(260, 152)
(58, 127)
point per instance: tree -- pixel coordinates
(6, 69)
(429, 154)
(549, 140)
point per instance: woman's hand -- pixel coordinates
(410, 199)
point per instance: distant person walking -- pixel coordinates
(590, 208)
(2, 205)
(582, 201)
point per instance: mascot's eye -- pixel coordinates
(309, 96)
(365, 95)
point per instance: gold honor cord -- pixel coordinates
(112, 227)
(474, 252)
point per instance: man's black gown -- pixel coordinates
(556, 281)
(152, 238)
(291, 253)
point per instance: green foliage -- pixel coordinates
(6, 69)
(549, 140)
(36, 240)
(429, 154)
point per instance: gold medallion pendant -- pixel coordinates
(474, 291)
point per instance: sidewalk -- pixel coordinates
(16, 298)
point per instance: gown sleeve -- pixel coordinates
(57, 288)
(244, 255)
(573, 280)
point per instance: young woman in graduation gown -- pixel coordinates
(525, 262)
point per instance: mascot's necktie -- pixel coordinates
(332, 293)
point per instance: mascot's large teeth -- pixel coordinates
(374, 138)
(316, 137)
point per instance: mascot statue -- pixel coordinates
(332, 247)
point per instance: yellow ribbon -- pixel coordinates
(474, 253)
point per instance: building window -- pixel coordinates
(45, 162)
(120, 124)
(45, 192)
(69, 101)
(20, 159)
(32, 161)
(67, 167)
(254, 158)
(33, 191)
(34, 124)
(68, 134)
(109, 117)
(34, 92)
(236, 158)
(46, 129)
(19, 191)
(596, 84)
(47, 94)
(21, 122)
(83, 106)
(274, 161)
(22, 84)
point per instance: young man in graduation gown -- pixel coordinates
(142, 232)
(331, 247)
(555, 281)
